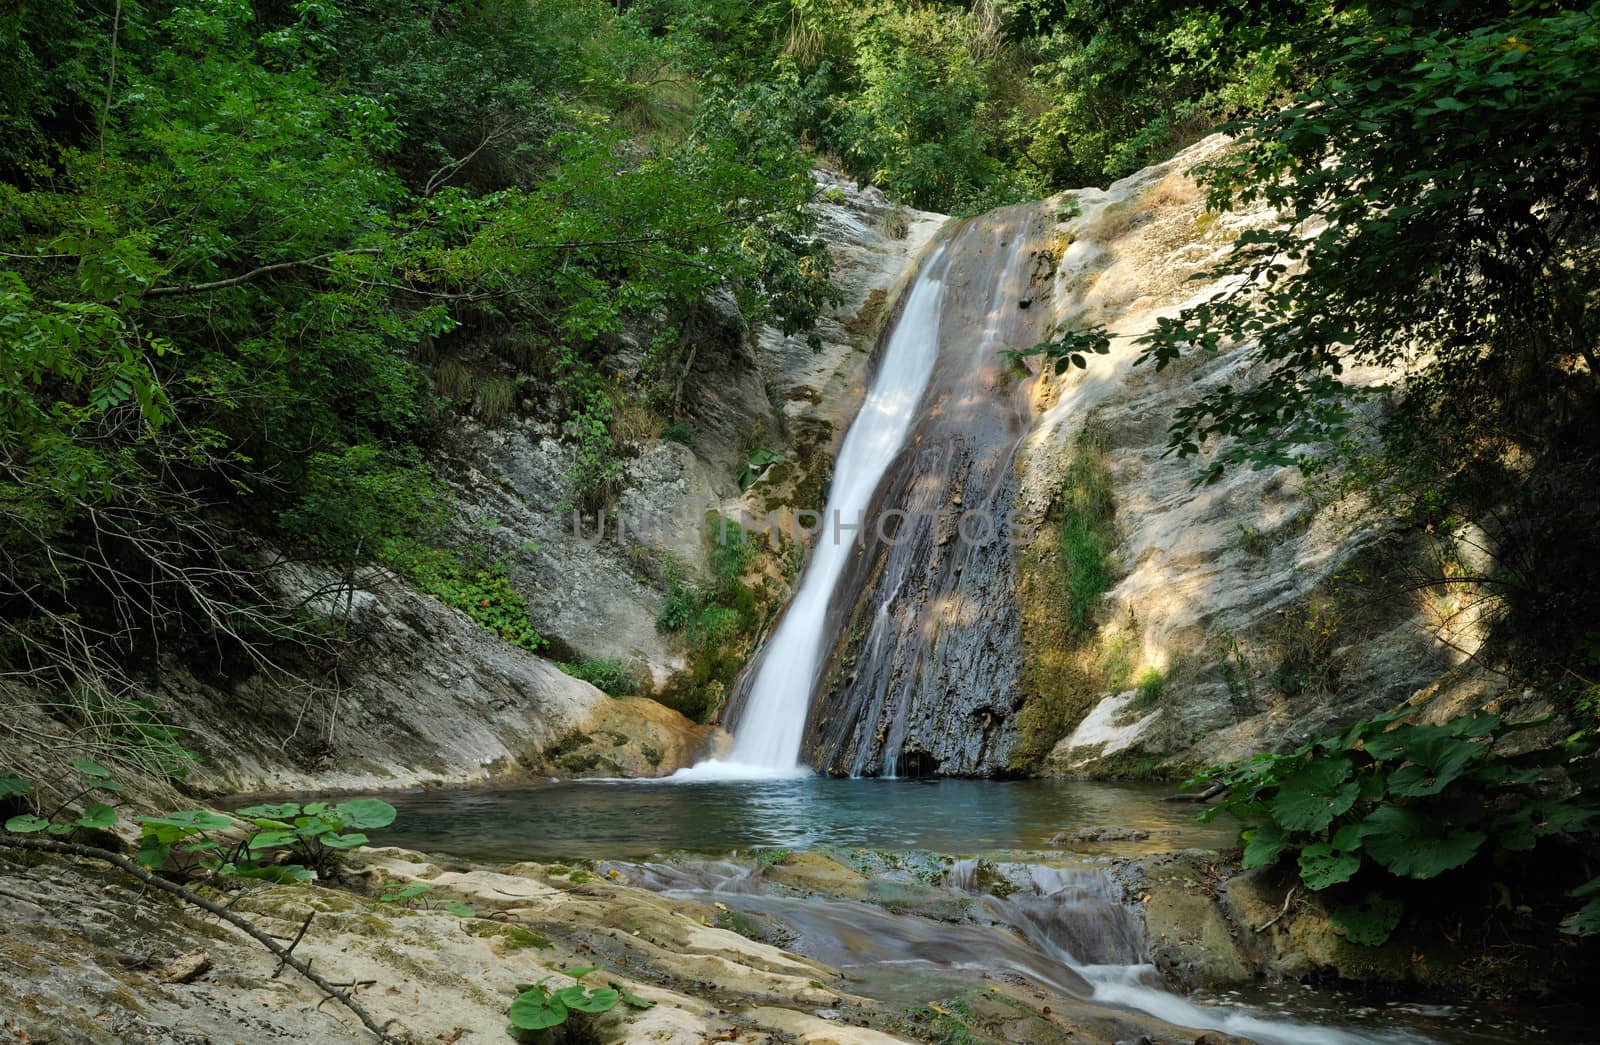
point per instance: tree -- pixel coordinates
(1438, 191)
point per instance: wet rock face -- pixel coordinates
(924, 679)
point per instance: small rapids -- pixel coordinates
(933, 927)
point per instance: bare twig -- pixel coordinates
(1270, 922)
(332, 990)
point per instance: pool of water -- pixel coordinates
(603, 819)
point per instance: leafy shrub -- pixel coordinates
(353, 500)
(537, 1009)
(318, 831)
(198, 840)
(462, 580)
(607, 675)
(1375, 804)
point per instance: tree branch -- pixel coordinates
(253, 274)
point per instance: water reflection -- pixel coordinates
(620, 819)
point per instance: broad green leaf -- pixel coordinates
(1585, 921)
(153, 854)
(1263, 846)
(580, 999)
(578, 972)
(365, 813)
(1321, 865)
(97, 815)
(349, 841)
(277, 811)
(91, 770)
(1370, 922)
(271, 839)
(26, 824)
(1415, 846)
(1309, 799)
(1348, 838)
(459, 909)
(537, 1009)
(1436, 756)
(194, 820)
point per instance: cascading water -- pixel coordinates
(767, 741)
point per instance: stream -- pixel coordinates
(928, 888)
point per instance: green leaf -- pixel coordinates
(1369, 923)
(192, 820)
(1309, 799)
(279, 811)
(1585, 921)
(26, 824)
(1414, 846)
(97, 815)
(271, 839)
(1348, 838)
(410, 892)
(364, 813)
(1321, 865)
(1263, 846)
(459, 909)
(578, 999)
(1435, 755)
(631, 1000)
(152, 853)
(13, 784)
(578, 972)
(349, 841)
(91, 771)
(537, 1009)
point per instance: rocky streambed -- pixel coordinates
(1098, 931)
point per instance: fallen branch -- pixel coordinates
(1270, 922)
(283, 953)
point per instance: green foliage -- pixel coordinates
(537, 1008)
(609, 675)
(244, 247)
(1386, 800)
(717, 620)
(1440, 155)
(1087, 529)
(1071, 349)
(130, 731)
(315, 832)
(757, 462)
(1147, 690)
(462, 579)
(417, 894)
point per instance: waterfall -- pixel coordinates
(767, 740)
